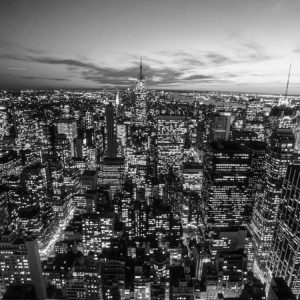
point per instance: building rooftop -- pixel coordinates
(113, 161)
(281, 289)
(228, 146)
(170, 117)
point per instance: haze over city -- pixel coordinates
(229, 45)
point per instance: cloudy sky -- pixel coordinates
(229, 45)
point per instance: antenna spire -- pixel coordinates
(287, 84)
(141, 75)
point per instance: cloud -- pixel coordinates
(254, 52)
(162, 68)
(199, 77)
(247, 52)
(12, 57)
(218, 59)
(107, 76)
(71, 63)
(44, 78)
(127, 76)
(10, 45)
(16, 68)
(196, 58)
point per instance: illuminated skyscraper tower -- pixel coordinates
(226, 184)
(117, 99)
(3, 121)
(285, 252)
(170, 142)
(220, 127)
(112, 166)
(111, 134)
(297, 136)
(279, 156)
(140, 102)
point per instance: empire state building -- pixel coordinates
(140, 101)
(140, 82)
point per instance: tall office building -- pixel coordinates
(279, 156)
(35, 268)
(254, 109)
(20, 263)
(5, 210)
(111, 132)
(258, 151)
(68, 126)
(4, 124)
(226, 184)
(34, 180)
(97, 231)
(297, 136)
(113, 173)
(91, 233)
(220, 127)
(170, 142)
(284, 258)
(84, 280)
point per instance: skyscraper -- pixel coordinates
(20, 263)
(4, 126)
(220, 127)
(297, 136)
(284, 258)
(111, 134)
(140, 82)
(170, 142)
(140, 101)
(68, 126)
(35, 268)
(279, 156)
(226, 184)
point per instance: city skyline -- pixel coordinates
(215, 45)
(142, 194)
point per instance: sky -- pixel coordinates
(226, 45)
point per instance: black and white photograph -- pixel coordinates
(150, 149)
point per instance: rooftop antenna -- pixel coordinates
(287, 84)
